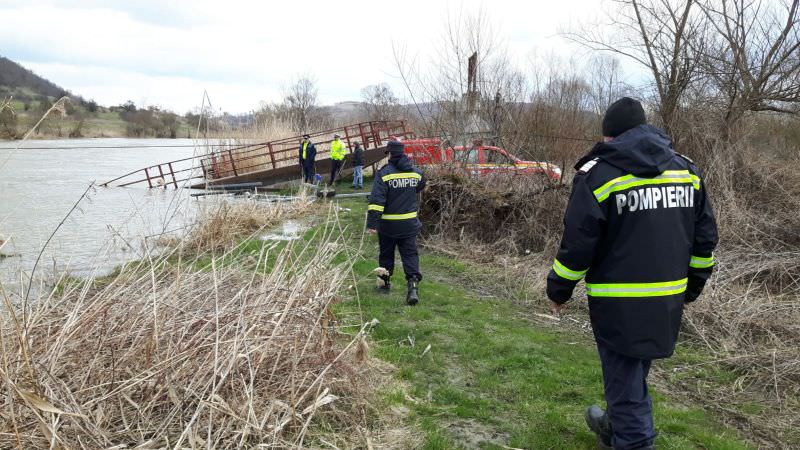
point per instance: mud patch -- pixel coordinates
(474, 435)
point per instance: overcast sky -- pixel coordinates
(166, 53)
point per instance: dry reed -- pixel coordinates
(189, 355)
(223, 224)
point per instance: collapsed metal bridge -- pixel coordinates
(269, 162)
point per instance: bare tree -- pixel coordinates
(605, 81)
(559, 117)
(753, 58)
(469, 89)
(379, 102)
(662, 35)
(300, 98)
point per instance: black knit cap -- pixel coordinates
(395, 148)
(622, 115)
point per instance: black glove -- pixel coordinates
(694, 287)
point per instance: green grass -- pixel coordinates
(493, 376)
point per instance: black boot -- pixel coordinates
(412, 297)
(597, 420)
(384, 284)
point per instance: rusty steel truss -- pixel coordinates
(266, 162)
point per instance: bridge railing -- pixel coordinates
(237, 159)
(241, 160)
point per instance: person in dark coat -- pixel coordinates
(307, 156)
(392, 213)
(358, 166)
(639, 226)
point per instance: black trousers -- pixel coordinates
(308, 172)
(630, 409)
(408, 253)
(336, 165)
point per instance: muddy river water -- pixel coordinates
(39, 186)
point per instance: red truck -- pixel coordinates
(477, 159)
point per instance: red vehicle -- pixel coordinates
(478, 159)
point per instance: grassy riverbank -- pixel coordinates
(233, 333)
(476, 370)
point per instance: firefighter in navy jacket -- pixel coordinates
(392, 213)
(639, 227)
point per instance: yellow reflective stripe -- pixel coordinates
(699, 262)
(305, 145)
(636, 289)
(397, 176)
(565, 272)
(375, 208)
(628, 181)
(695, 181)
(410, 215)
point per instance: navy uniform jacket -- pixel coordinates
(358, 156)
(393, 202)
(639, 226)
(311, 153)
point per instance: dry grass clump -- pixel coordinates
(171, 356)
(517, 214)
(749, 315)
(221, 225)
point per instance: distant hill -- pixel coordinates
(23, 84)
(32, 96)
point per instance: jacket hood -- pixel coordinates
(644, 151)
(401, 162)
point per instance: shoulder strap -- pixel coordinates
(685, 157)
(587, 166)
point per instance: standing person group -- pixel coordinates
(392, 214)
(308, 155)
(393, 208)
(639, 226)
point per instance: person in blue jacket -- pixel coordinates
(392, 213)
(308, 156)
(640, 228)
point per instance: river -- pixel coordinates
(38, 187)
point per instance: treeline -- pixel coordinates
(62, 118)
(151, 121)
(73, 117)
